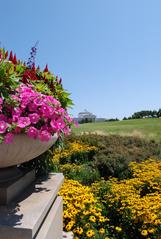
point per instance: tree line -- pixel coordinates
(145, 114)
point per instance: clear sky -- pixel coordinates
(108, 52)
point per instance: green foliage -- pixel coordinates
(114, 153)
(85, 174)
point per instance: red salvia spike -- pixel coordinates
(46, 68)
(11, 56)
(33, 67)
(6, 54)
(60, 81)
(14, 59)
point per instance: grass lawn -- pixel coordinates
(146, 128)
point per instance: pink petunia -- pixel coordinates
(1, 101)
(38, 101)
(34, 118)
(32, 132)
(44, 135)
(8, 138)
(32, 107)
(3, 127)
(52, 100)
(23, 122)
(3, 117)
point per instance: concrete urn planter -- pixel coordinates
(22, 149)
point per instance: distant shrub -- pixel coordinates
(114, 153)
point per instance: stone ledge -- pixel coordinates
(52, 227)
(23, 218)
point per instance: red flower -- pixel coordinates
(11, 56)
(6, 54)
(46, 69)
(14, 59)
(29, 74)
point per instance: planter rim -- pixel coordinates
(23, 149)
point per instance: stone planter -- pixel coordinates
(22, 149)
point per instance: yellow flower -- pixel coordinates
(79, 230)
(144, 232)
(90, 233)
(92, 219)
(119, 229)
(101, 230)
(151, 230)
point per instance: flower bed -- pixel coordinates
(132, 205)
(82, 212)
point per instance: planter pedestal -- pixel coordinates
(17, 182)
(36, 214)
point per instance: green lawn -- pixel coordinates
(147, 128)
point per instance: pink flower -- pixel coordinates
(3, 117)
(52, 100)
(1, 101)
(69, 119)
(54, 125)
(76, 124)
(67, 130)
(14, 97)
(44, 135)
(34, 118)
(32, 107)
(32, 132)
(23, 122)
(3, 127)
(16, 114)
(8, 138)
(38, 101)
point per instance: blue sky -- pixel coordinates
(108, 52)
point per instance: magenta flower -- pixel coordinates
(38, 101)
(32, 107)
(44, 135)
(54, 125)
(1, 101)
(3, 117)
(34, 118)
(52, 100)
(8, 138)
(32, 132)
(3, 127)
(23, 122)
